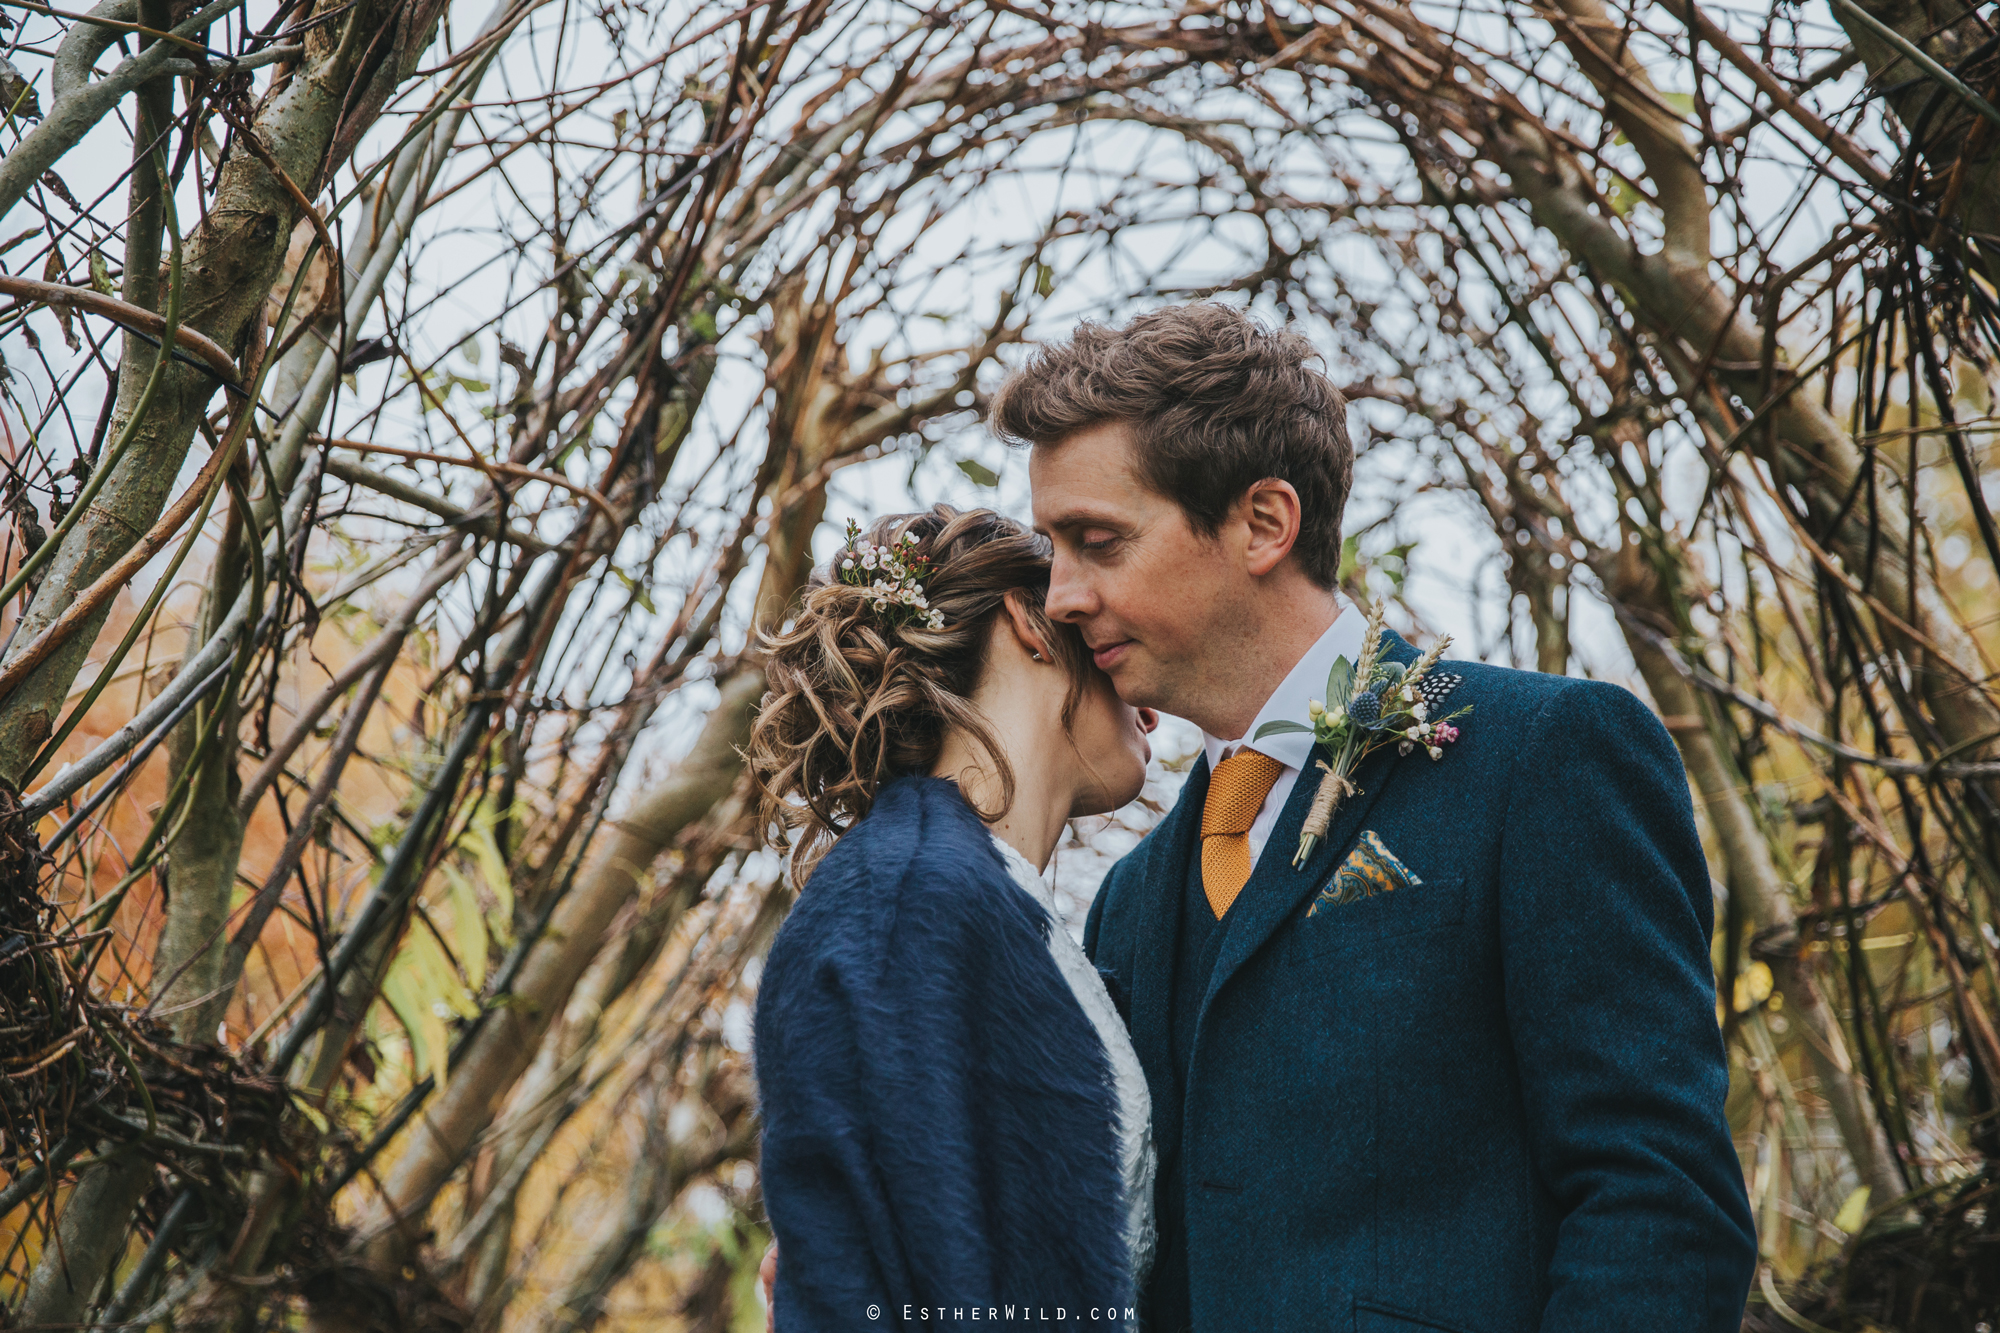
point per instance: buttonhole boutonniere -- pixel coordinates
(1370, 704)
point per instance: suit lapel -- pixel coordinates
(1158, 918)
(1275, 889)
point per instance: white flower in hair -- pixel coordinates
(898, 581)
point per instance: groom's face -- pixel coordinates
(1150, 595)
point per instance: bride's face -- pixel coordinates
(1110, 737)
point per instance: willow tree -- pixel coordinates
(384, 943)
(336, 882)
(1618, 265)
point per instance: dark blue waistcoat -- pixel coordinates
(1489, 1101)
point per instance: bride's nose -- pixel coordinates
(1149, 721)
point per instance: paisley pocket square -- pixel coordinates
(1369, 869)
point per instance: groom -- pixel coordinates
(1459, 1070)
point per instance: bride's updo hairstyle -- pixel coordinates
(860, 695)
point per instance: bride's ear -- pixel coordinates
(1023, 628)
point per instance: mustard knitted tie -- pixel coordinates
(1236, 792)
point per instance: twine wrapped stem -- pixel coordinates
(1334, 788)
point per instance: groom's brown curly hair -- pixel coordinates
(1216, 402)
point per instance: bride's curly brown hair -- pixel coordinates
(857, 699)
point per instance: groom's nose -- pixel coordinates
(1069, 597)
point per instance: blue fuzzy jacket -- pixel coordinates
(940, 1126)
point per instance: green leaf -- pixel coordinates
(424, 991)
(314, 1116)
(412, 1016)
(100, 274)
(1279, 729)
(1622, 195)
(1045, 279)
(1350, 559)
(1339, 683)
(979, 473)
(492, 864)
(468, 927)
(639, 596)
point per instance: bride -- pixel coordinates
(954, 1119)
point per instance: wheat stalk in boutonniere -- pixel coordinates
(1370, 704)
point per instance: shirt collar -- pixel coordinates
(1307, 680)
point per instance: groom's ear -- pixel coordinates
(1270, 514)
(1023, 628)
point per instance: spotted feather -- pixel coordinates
(1433, 688)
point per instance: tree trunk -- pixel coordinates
(229, 263)
(505, 1045)
(1750, 872)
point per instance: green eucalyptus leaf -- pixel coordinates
(1278, 729)
(1339, 683)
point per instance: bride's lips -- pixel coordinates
(1110, 655)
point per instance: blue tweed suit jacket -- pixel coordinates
(1488, 1102)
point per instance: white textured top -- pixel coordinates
(1135, 1104)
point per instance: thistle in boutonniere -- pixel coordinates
(1370, 704)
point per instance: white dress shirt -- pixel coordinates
(1306, 681)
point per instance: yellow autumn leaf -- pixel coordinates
(1854, 1213)
(1753, 987)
